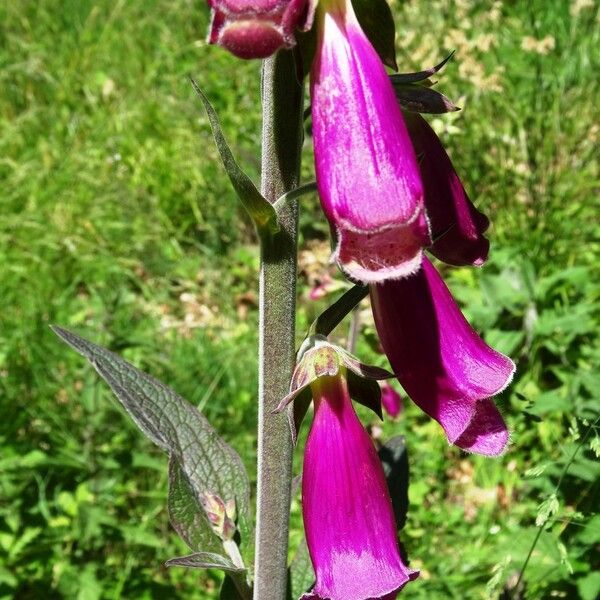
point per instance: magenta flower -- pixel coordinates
(367, 172)
(348, 517)
(443, 365)
(391, 400)
(255, 28)
(457, 226)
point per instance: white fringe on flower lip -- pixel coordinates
(383, 270)
(364, 275)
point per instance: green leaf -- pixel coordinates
(293, 195)
(394, 459)
(589, 586)
(187, 515)
(376, 20)
(260, 210)
(301, 573)
(229, 590)
(422, 99)
(366, 392)
(207, 463)
(331, 317)
(204, 560)
(297, 411)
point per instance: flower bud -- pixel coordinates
(221, 515)
(255, 28)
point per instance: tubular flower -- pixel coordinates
(457, 226)
(443, 365)
(348, 516)
(255, 28)
(367, 171)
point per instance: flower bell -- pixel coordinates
(457, 226)
(255, 28)
(367, 172)
(348, 516)
(443, 365)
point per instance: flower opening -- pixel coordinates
(443, 365)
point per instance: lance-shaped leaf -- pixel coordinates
(260, 210)
(423, 99)
(206, 463)
(187, 515)
(400, 78)
(395, 466)
(376, 20)
(301, 572)
(204, 560)
(333, 315)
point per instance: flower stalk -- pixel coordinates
(281, 144)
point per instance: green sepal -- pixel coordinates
(394, 459)
(420, 75)
(333, 315)
(418, 98)
(366, 392)
(307, 46)
(261, 211)
(376, 19)
(297, 411)
(319, 358)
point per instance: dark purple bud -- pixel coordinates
(391, 400)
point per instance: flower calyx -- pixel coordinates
(318, 358)
(221, 515)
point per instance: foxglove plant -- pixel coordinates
(389, 192)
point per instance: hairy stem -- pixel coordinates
(281, 147)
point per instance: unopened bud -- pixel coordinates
(221, 515)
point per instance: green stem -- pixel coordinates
(541, 527)
(282, 99)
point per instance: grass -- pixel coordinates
(118, 221)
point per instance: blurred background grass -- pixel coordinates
(117, 221)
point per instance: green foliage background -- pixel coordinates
(118, 222)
